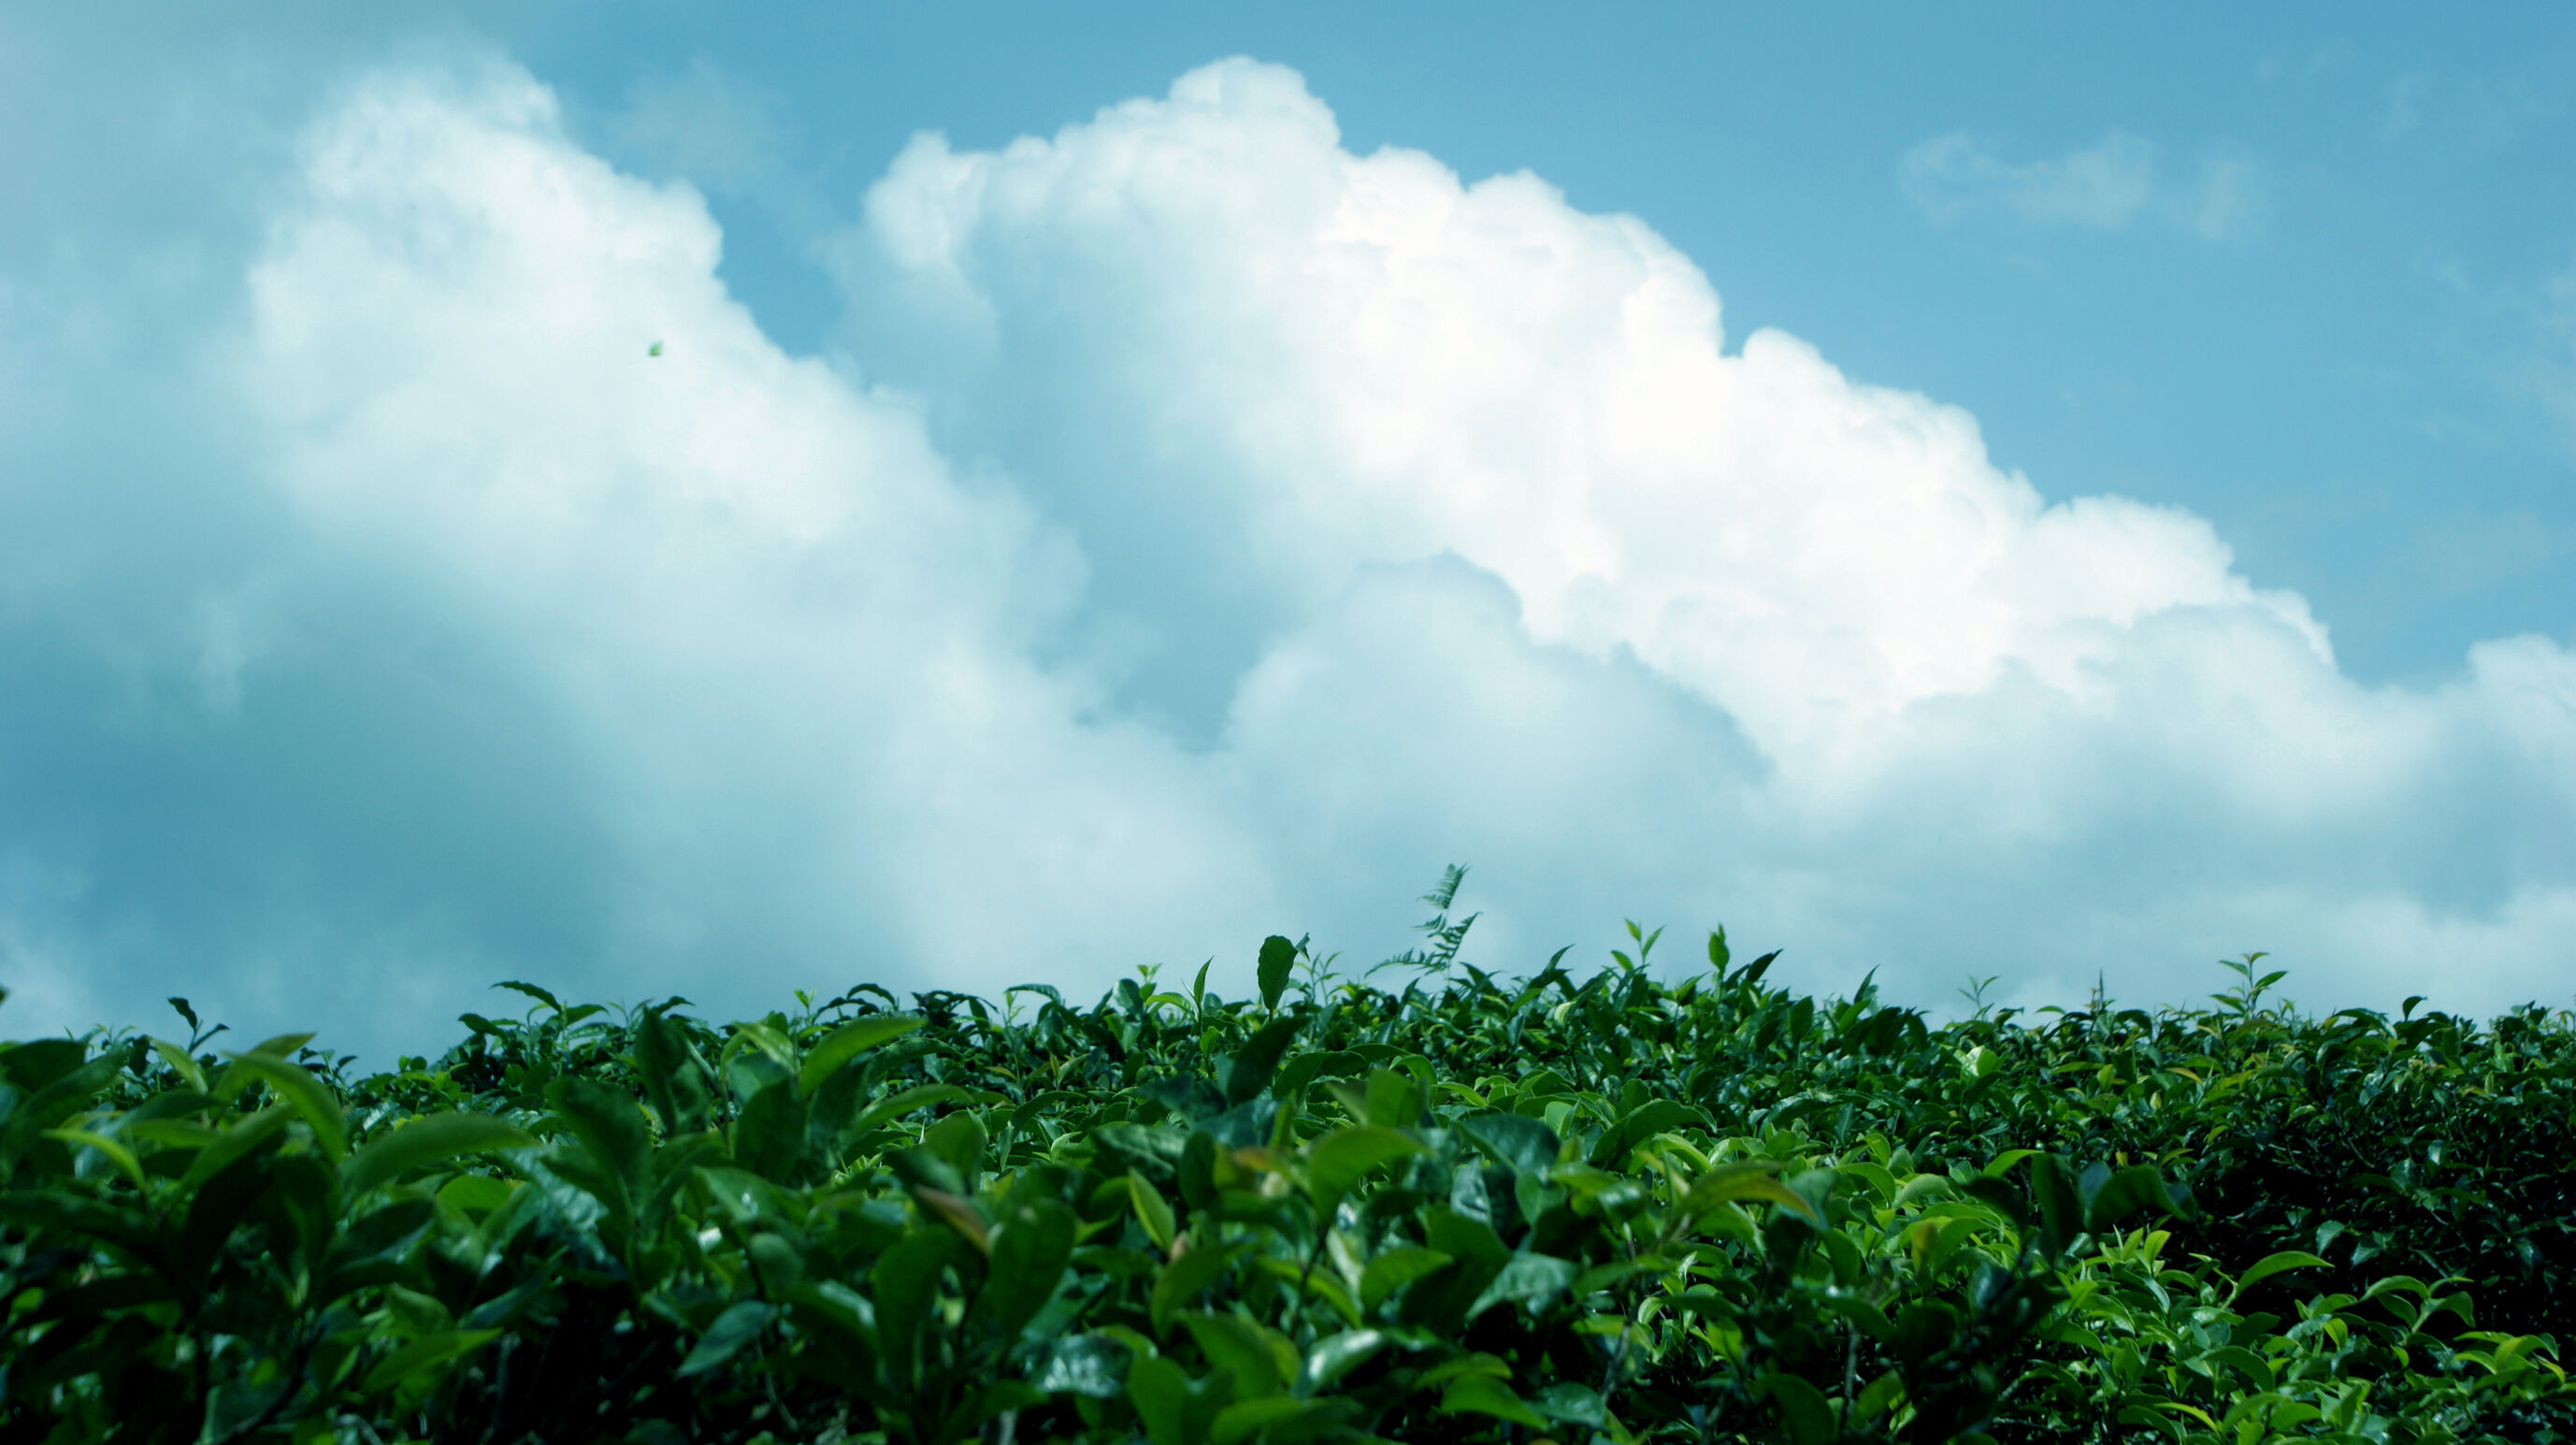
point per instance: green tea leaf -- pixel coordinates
(848, 1042)
(186, 1068)
(476, 1194)
(960, 1140)
(1485, 1395)
(424, 1354)
(1031, 1243)
(957, 1212)
(1152, 1211)
(1529, 1279)
(1393, 1099)
(1278, 957)
(429, 1139)
(610, 1125)
(1337, 1355)
(69, 1086)
(1525, 1144)
(238, 1138)
(1571, 1403)
(282, 1046)
(1752, 1180)
(1883, 1394)
(1339, 1159)
(2052, 1190)
(1257, 1062)
(1092, 1366)
(673, 1082)
(903, 1102)
(1262, 1360)
(1393, 1269)
(772, 1137)
(738, 1326)
(169, 1133)
(109, 1149)
(1808, 1414)
(1464, 1237)
(532, 991)
(1175, 1409)
(2272, 1264)
(905, 1286)
(33, 1065)
(2123, 1194)
(1277, 1418)
(2002, 1163)
(300, 1090)
(1181, 1280)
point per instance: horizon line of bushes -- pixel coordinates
(1480, 1208)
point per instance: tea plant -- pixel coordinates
(1605, 1208)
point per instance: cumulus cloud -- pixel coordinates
(787, 643)
(2475, 112)
(1208, 531)
(2105, 186)
(1241, 364)
(2517, 334)
(707, 124)
(694, 672)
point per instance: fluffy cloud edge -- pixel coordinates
(801, 627)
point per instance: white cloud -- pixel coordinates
(2517, 335)
(785, 643)
(2074, 729)
(2106, 186)
(1212, 532)
(707, 124)
(1373, 363)
(2230, 196)
(2472, 112)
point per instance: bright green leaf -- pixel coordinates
(109, 1149)
(429, 1139)
(300, 1090)
(1262, 1360)
(738, 1326)
(237, 1139)
(1393, 1269)
(848, 1042)
(1152, 1210)
(1809, 1414)
(426, 1353)
(1338, 1160)
(1485, 1395)
(1753, 1180)
(1181, 1280)
(2272, 1264)
(897, 1105)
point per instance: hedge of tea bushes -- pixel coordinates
(1562, 1208)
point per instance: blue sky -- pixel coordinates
(2342, 379)
(2043, 493)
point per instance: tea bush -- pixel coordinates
(1560, 1208)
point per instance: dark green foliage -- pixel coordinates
(1579, 1210)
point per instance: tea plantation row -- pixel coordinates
(1560, 1208)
